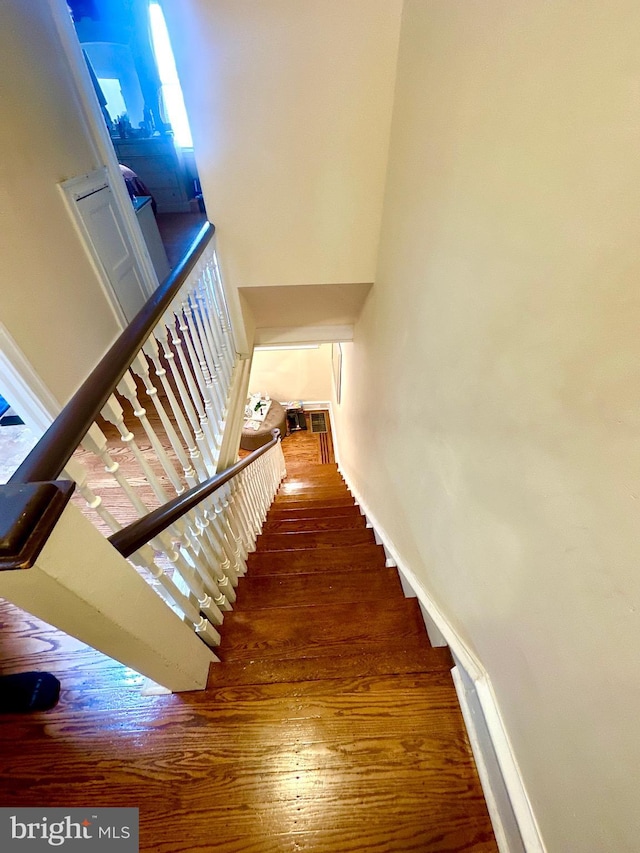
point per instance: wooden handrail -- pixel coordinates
(55, 448)
(134, 536)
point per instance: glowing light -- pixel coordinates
(171, 90)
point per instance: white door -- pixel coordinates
(100, 222)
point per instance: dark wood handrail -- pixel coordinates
(134, 536)
(55, 448)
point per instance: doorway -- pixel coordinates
(127, 50)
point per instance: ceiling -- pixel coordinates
(308, 313)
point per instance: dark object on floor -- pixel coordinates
(10, 419)
(28, 691)
(7, 416)
(296, 420)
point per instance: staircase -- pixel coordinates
(331, 726)
(349, 688)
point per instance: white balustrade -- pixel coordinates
(172, 422)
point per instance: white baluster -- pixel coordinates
(196, 463)
(127, 388)
(226, 495)
(196, 352)
(140, 366)
(223, 549)
(215, 323)
(243, 521)
(95, 441)
(225, 582)
(112, 411)
(225, 320)
(205, 451)
(209, 327)
(191, 378)
(217, 517)
(77, 472)
(206, 392)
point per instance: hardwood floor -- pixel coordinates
(331, 726)
(178, 231)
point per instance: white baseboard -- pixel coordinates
(23, 387)
(501, 810)
(309, 405)
(513, 820)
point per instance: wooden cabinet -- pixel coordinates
(160, 166)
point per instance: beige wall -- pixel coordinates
(501, 344)
(52, 302)
(290, 104)
(299, 374)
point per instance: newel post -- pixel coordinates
(56, 565)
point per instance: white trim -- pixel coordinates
(334, 437)
(98, 137)
(316, 404)
(467, 659)
(23, 387)
(303, 335)
(499, 805)
(71, 190)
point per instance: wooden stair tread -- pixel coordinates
(318, 631)
(308, 503)
(318, 467)
(309, 540)
(351, 557)
(320, 483)
(308, 476)
(309, 525)
(303, 493)
(313, 512)
(313, 588)
(387, 658)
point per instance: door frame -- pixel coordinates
(75, 189)
(103, 149)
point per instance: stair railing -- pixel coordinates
(179, 350)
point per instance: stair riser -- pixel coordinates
(328, 539)
(353, 558)
(302, 525)
(319, 588)
(311, 512)
(313, 494)
(388, 658)
(306, 477)
(318, 631)
(311, 503)
(305, 467)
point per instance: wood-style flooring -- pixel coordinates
(178, 231)
(331, 725)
